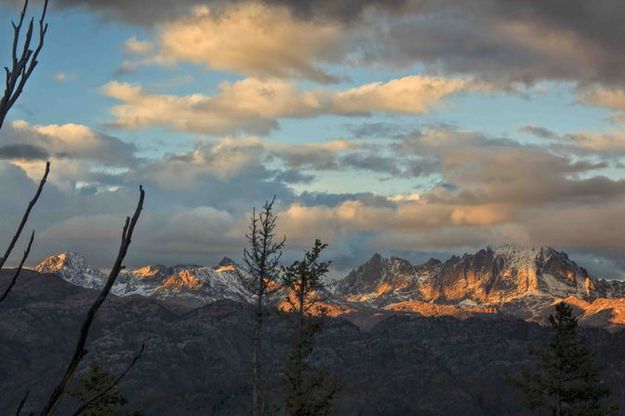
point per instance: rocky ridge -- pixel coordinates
(520, 281)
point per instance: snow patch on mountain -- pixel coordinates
(189, 285)
(74, 269)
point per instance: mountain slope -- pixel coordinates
(488, 277)
(199, 362)
(186, 285)
(520, 281)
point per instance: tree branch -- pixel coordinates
(80, 350)
(24, 63)
(111, 386)
(18, 270)
(22, 403)
(20, 228)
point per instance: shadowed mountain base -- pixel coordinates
(198, 362)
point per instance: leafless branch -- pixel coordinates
(18, 270)
(23, 64)
(22, 403)
(23, 61)
(111, 386)
(20, 228)
(80, 350)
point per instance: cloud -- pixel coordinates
(603, 97)
(612, 98)
(294, 176)
(23, 152)
(605, 144)
(137, 47)
(165, 10)
(253, 39)
(70, 141)
(498, 41)
(508, 42)
(78, 154)
(64, 77)
(497, 191)
(255, 106)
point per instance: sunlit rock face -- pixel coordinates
(74, 269)
(507, 273)
(487, 277)
(186, 285)
(382, 281)
(524, 282)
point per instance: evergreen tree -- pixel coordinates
(262, 258)
(308, 390)
(95, 381)
(566, 381)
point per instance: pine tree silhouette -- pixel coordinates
(308, 390)
(566, 381)
(95, 381)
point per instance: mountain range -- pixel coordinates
(522, 282)
(198, 361)
(436, 338)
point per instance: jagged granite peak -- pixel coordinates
(487, 277)
(378, 276)
(227, 264)
(150, 271)
(491, 276)
(72, 268)
(520, 281)
(187, 285)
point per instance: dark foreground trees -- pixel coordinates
(92, 384)
(308, 390)
(566, 381)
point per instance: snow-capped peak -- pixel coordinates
(187, 284)
(73, 268)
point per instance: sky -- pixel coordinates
(409, 128)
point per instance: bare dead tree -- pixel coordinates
(23, 63)
(80, 350)
(29, 208)
(17, 234)
(111, 386)
(263, 261)
(24, 58)
(18, 270)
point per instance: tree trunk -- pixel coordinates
(257, 390)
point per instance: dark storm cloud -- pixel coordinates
(500, 41)
(23, 151)
(513, 41)
(156, 11)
